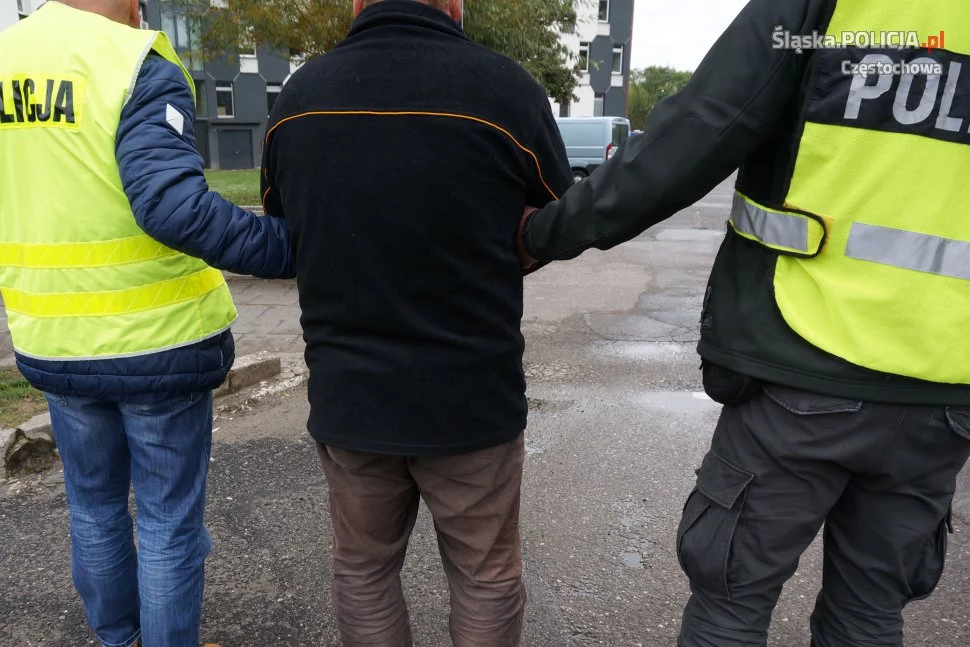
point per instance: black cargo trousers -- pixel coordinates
(881, 477)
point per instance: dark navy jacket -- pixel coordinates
(162, 173)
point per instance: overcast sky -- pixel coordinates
(678, 33)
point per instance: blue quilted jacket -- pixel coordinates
(162, 173)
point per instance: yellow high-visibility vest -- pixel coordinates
(874, 234)
(79, 278)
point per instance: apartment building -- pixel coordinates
(602, 42)
(234, 94)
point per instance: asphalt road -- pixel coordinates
(616, 429)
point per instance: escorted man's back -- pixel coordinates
(402, 161)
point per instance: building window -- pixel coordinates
(598, 101)
(272, 94)
(604, 10)
(201, 102)
(248, 61)
(183, 34)
(584, 57)
(247, 44)
(22, 8)
(618, 60)
(176, 27)
(224, 103)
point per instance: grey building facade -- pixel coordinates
(234, 95)
(602, 43)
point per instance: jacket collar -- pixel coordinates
(405, 12)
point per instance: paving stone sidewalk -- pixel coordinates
(269, 318)
(269, 315)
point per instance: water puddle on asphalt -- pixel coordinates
(626, 523)
(647, 351)
(632, 560)
(681, 401)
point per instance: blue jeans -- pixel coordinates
(154, 592)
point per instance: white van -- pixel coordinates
(590, 141)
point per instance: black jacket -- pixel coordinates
(742, 108)
(402, 161)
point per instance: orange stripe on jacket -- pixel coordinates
(372, 113)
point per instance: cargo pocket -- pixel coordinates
(958, 419)
(710, 537)
(932, 561)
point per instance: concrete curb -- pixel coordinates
(249, 370)
(293, 374)
(30, 447)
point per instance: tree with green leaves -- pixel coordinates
(525, 30)
(648, 87)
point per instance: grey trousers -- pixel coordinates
(881, 477)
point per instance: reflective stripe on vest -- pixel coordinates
(132, 300)
(77, 255)
(909, 250)
(783, 231)
(79, 277)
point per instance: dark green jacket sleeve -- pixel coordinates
(693, 140)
